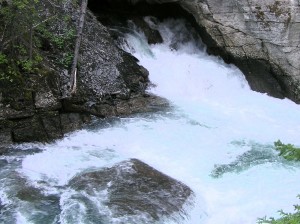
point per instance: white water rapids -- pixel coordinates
(217, 138)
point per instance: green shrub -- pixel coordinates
(291, 153)
(30, 34)
(286, 218)
(287, 151)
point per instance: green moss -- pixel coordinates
(60, 40)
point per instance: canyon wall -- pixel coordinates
(261, 37)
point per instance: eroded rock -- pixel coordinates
(132, 190)
(260, 37)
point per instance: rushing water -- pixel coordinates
(217, 138)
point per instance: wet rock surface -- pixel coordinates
(259, 154)
(1, 207)
(134, 189)
(46, 207)
(245, 161)
(30, 111)
(32, 202)
(260, 37)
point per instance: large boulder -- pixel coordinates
(133, 192)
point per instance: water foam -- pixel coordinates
(216, 118)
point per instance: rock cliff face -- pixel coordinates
(261, 37)
(110, 83)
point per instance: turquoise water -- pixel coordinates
(217, 138)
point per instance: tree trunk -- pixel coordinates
(31, 42)
(73, 77)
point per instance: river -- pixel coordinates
(217, 138)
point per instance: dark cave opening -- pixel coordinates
(124, 9)
(117, 13)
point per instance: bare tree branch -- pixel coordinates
(36, 25)
(77, 46)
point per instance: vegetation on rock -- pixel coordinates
(291, 153)
(29, 34)
(286, 218)
(287, 151)
(18, 43)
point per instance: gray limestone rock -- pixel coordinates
(261, 37)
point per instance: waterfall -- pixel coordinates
(217, 138)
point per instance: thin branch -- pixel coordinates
(36, 25)
(53, 4)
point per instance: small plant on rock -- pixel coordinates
(286, 218)
(287, 151)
